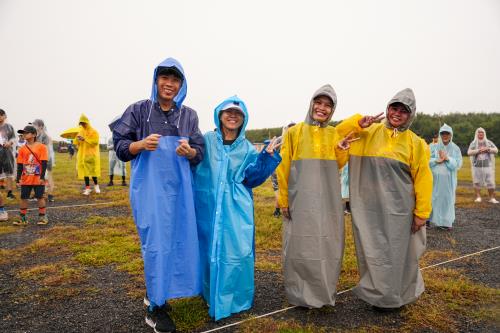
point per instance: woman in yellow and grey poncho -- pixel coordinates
(309, 196)
(88, 162)
(390, 195)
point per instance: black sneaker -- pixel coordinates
(428, 224)
(277, 213)
(124, 184)
(50, 197)
(110, 184)
(159, 320)
(10, 195)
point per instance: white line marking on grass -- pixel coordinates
(67, 206)
(462, 257)
(341, 292)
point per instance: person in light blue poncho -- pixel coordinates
(344, 188)
(162, 139)
(224, 209)
(445, 161)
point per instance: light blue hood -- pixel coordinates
(232, 100)
(181, 95)
(445, 128)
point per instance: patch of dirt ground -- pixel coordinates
(100, 301)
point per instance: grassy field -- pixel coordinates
(71, 251)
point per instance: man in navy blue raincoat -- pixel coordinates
(162, 139)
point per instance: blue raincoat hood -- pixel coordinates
(181, 95)
(231, 100)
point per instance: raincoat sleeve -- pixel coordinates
(257, 172)
(473, 150)
(454, 161)
(341, 155)
(196, 141)
(124, 133)
(92, 138)
(493, 148)
(422, 179)
(283, 170)
(350, 124)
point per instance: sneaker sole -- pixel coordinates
(151, 324)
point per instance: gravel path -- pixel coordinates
(102, 304)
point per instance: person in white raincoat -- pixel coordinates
(446, 160)
(482, 156)
(116, 166)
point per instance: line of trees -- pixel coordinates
(464, 125)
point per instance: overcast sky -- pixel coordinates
(59, 58)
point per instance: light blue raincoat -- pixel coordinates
(445, 181)
(344, 181)
(225, 217)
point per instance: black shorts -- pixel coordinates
(26, 191)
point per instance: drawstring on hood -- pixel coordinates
(407, 98)
(181, 95)
(328, 91)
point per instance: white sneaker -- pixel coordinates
(493, 200)
(87, 191)
(478, 199)
(4, 216)
(97, 189)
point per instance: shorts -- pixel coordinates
(7, 163)
(26, 191)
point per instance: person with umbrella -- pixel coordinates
(88, 159)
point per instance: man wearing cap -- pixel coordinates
(31, 167)
(161, 138)
(390, 185)
(224, 207)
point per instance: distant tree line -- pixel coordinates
(464, 125)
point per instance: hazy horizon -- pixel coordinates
(63, 58)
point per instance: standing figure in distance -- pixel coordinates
(482, 157)
(446, 160)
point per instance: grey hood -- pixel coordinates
(326, 90)
(407, 98)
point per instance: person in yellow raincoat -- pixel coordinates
(88, 161)
(390, 194)
(310, 201)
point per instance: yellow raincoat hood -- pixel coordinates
(84, 119)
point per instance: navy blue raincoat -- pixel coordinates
(161, 192)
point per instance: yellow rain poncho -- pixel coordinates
(390, 182)
(313, 240)
(88, 162)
